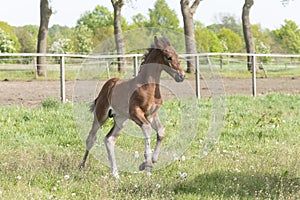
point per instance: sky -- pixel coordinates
(269, 13)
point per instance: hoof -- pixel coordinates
(154, 160)
(145, 166)
(116, 175)
(142, 166)
(80, 166)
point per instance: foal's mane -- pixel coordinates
(153, 47)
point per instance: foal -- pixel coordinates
(137, 99)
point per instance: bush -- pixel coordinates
(50, 103)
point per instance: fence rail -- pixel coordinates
(135, 58)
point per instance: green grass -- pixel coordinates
(257, 155)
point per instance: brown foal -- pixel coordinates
(137, 99)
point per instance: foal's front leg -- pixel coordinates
(147, 165)
(160, 130)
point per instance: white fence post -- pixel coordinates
(62, 80)
(197, 74)
(135, 66)
(35, 68)
(254, 76)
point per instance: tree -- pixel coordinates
(139, 21)
(83, 39)
(99, 17)
(188, 12)
(262, 41)
(100, 23)
(61, 45)
(57, 32)
(27, 36)
(288, 36)
(8, 39)
(6, 44)
(207, 40)
(162, 16)
(119, 38)
(230, 40)
(45, 14)
(227, 21)
(247, 30)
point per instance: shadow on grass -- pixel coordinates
(239, 184)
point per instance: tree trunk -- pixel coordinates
(45, 13)
(188, 22)
(119, 38)
(248, 32)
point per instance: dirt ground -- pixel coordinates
(32, 93)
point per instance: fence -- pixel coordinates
(207, 60)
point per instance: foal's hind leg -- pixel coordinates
(160, 130)
(90, 140)
(110, 140)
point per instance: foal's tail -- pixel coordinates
(93, 105)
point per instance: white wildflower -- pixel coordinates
(237, 170)
(136, 155)
(66, 177)
(175, 157)
(273, 126)
(19, 177)
(183, 175)
(183, 158)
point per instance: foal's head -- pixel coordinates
(164, 53)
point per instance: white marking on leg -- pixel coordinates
(110, 144)
(160, 130)
(147, 165)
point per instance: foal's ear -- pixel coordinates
(159, 44)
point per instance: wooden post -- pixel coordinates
(62, 80)
(254, 76)
(197, 74)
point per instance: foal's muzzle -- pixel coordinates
(179, 77)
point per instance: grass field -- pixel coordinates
(256, 157)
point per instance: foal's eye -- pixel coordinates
(169, 58)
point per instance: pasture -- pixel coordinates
(257, 155)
